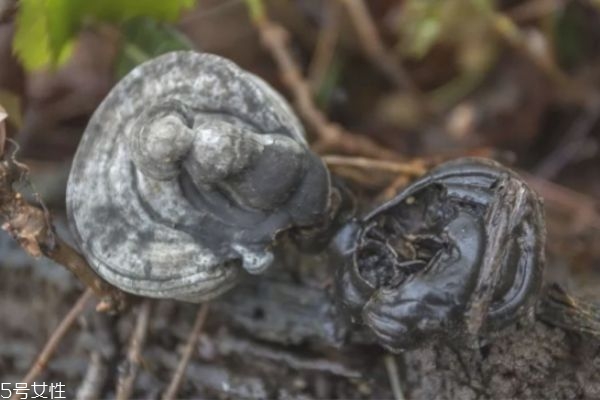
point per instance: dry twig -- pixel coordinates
(173, 388)
(393, 188)
(535, 9)
(136, 343)
(31, 226)
(392, 175)
(374, 48)
(415, 167)
(330, 135)
(93, 380)
(582, 207)
(59, 333)
(512, 34)
(325, 47)
(571, 143)
(375, 174)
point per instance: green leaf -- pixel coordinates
(47, 28)
(121, 10)
(146, 38)
(31, 41)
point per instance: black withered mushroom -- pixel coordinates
(186, 173)
(458, 253)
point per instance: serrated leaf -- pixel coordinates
(31, 41)
(46, 28)
(62, 23)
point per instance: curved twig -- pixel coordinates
(32, 227)
(173, 388)
(59, 333)
(136, 343)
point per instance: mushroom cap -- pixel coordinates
(458, 253)
(156, 211)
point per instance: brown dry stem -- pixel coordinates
(330, 135)
(533, 10)
(93, 380)
(413, 168)
(512, 34)
(375, 174)
(376, 51)
(393, 188)
(59, 333)
(136, 343)
(582, 207)
(173, 388)
(572, 142)
(325, 47)
(31, 226)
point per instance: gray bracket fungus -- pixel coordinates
(186, 173)
(457, 254)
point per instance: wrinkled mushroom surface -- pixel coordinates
(186, 173)
(459, 253)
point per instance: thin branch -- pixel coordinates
(571, 143)
(136, 343)
(31, 226)
(535, 9)
(393, 188)
(331, 136)
(93, 380)
(391, 175)
(374, 48)
(111, 298)
(413, 168)
(582, 207)
(59, 333)
(173, 388)
(510, 32)
(325, 47)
